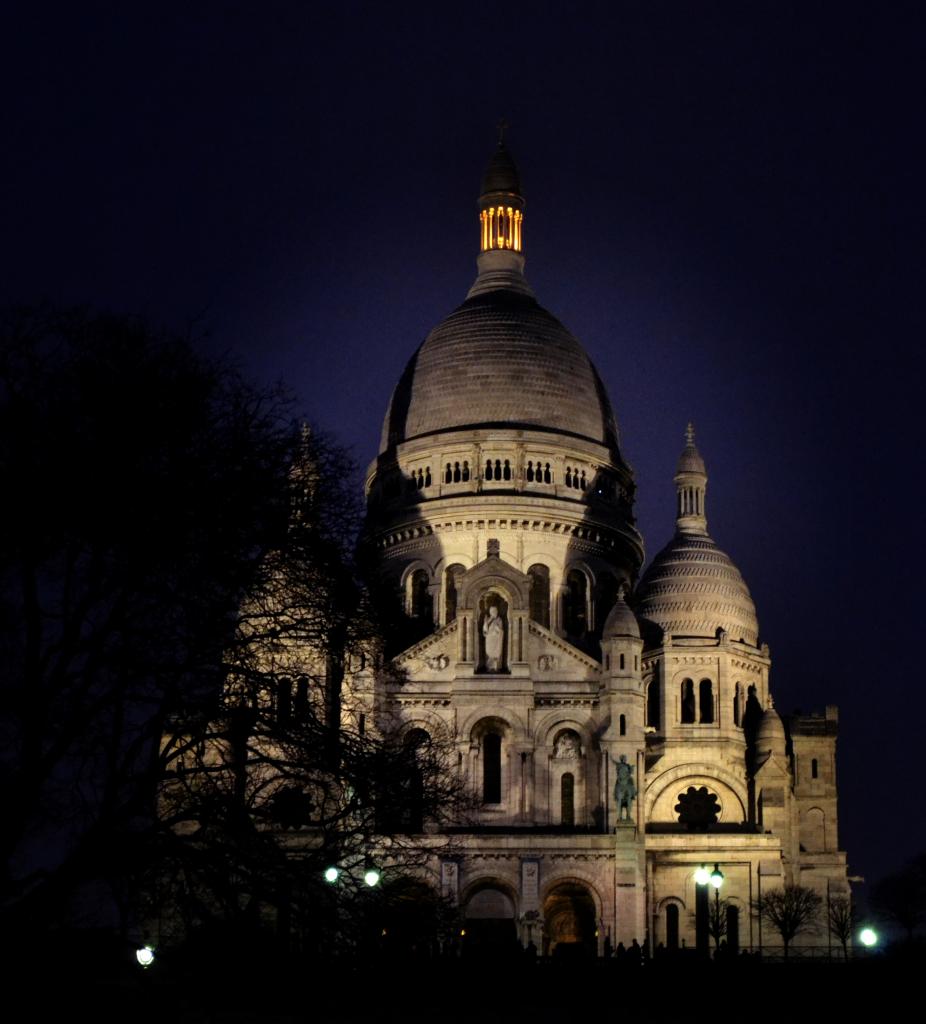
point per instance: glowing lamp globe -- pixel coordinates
(145, 956)
(868, 937)
(332, 875)
(371, 877)
(702, 875)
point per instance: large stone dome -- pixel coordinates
(499, 359)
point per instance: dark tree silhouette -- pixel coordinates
(790, 910)
(143, 486)
(840, 919)
(294, 770)
(717, 919)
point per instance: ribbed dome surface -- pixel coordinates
(499, 359)
(693, 589)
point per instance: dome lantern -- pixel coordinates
(501, 205)
(691, 485)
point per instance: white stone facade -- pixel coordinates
(500, 482)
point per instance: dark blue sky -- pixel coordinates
(725, 204)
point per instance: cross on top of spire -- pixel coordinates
(502, 128)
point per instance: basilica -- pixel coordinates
(617, 730)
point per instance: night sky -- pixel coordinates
(725, 204)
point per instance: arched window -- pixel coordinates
(530, 472)
(567, 788)
(448, 474)
(427, 477)
(498, 469)
(491, 768)
(301, 702)
(411, 795)
(623, 725)
(421, 605)
(575, 601)
(547, 475)
(813, 830)
(814, 768)
(506, 472)
(622, 663)
(688, 702)
(652, 704)
(284, 700)
(706, 701)
(465, 471)
(737, 705)
(451, 580)
(733, 928)
(540, 594)
(672, 926)
(457, 474)
(568, 477)
(583, 480)
(488, 472)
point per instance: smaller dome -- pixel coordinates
(502, 173)
(771, 734)
(621, 621)
(693, 588)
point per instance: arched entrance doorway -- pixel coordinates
(489, 925)
(412, 920)
(569, 921)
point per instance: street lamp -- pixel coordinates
(868, 937)
(145, 956)
(716, 880)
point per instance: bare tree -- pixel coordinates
(840, 919)
(295, 771)
(717, 920)
(790, 910)
(143, 487)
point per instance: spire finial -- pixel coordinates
(689, 434)
(502, 128)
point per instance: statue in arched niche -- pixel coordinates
(567, 746)
(494, 629)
